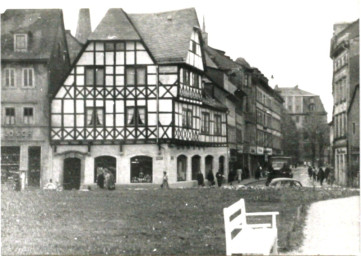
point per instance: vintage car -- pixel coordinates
(285, 182)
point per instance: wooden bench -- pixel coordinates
(251, 238)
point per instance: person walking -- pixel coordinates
(327, 172)
(219, 177)
(239, 174)
(200, 179)
(165, 181)
(258, 172)
(314, 173)
(321, 175)
(310, 172)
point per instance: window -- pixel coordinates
(185, 77)
(20, 43)
(94, 116)
(135, 76)
(94, 76)
(311, 107)
(9, 77)
(28, 116)
(217, 125)
(195, 80)
(9, 116)
(136, 116)
(109, 47)
(194, 47)
(246, 80)
(353, 128)
(205, 123)
(187, 117)
(297, 119)
(28, 77)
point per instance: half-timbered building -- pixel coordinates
(134, 103)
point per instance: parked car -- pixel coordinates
(285, 182)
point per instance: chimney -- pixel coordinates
(204, 33)
(83, 29)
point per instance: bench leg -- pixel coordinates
(275, 248)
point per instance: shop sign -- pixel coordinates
(268, 151)
(260, 151)
(253, 150)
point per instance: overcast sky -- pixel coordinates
(289, 39)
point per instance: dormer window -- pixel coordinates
(311, 107)
(20, 42)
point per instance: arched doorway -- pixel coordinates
(141, 169)
(102, 162)
(196, 166)
(72, 169)
(221, 164)
(181, 168)
(209, 164)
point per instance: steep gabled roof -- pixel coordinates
(74, 46)
(220, 59)
(41, 26)
(167, 34)
(293, 91)
(114, 26)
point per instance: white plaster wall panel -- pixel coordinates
(69, 81)
(143, 58)
(68, 106)
(119, 58)
(87, 58)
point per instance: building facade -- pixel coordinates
(133, 103)
(302, 106)
(34, 57)
(224, 83)
(345, 55)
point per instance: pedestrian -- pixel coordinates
(314, 173)
(210, 178)
(258, 172)
(327, 172)
(230, 175)
(165, 181)
(219, 177)
(321, 175)
(200, 179)
(310, 172)
(100, 178)
(239, 174)
(331, 178)
(109, 180)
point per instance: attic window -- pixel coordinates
(20, 42)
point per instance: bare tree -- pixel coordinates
(291, 136)
(316, 133)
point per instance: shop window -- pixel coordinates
(181, 168)
(141, 169)
(102, 165)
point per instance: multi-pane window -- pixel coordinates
(205, 123)
(28, 116)
(9, 116)
(94, 76)
(217, 125)
(196, 80)
(28, 77)
(136, 116)
(94, 117)
(135, 76)
(9, 77)
(20, 42)
(311, 107)
(186, 77)
(187, 117)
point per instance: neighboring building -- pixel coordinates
(265, 104)
(224, 86)
(134, 103)
(301, 105)
(345, 55)
(34, 58)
